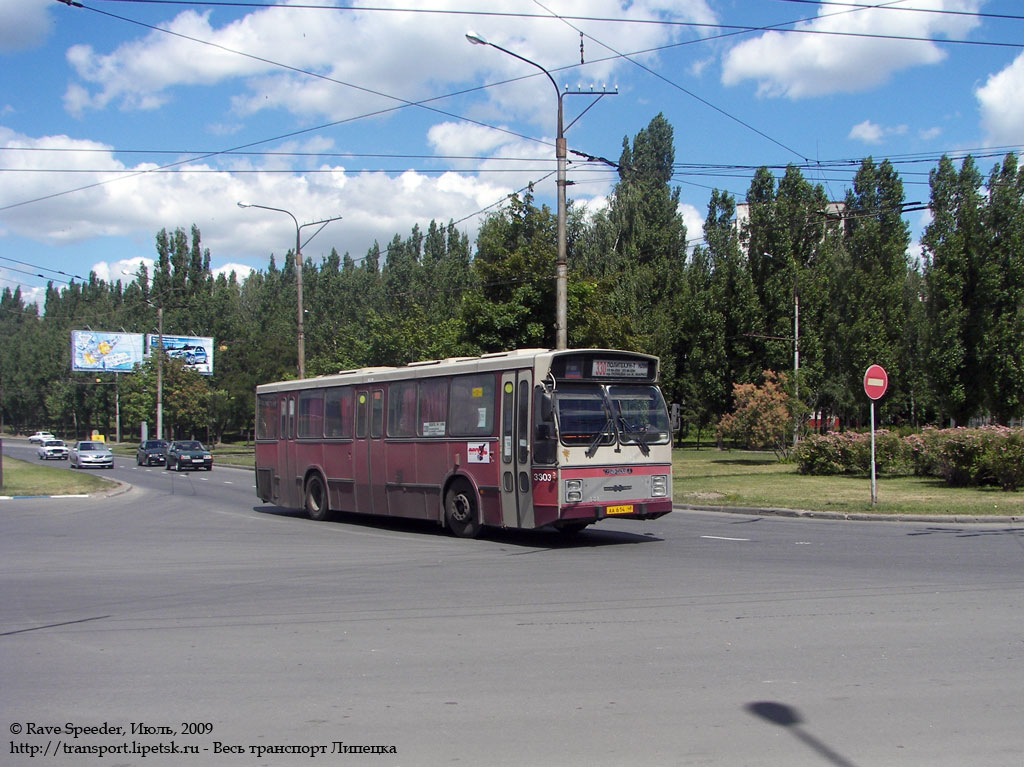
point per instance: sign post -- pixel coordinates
(876, 381)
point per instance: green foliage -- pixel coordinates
(850, 453)
(961, 457)
(761, 417)
(949, 329)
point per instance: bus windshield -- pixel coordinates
(594, 415)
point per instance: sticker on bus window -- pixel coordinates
(481, 418)
(479, 452)
(433, 428)
(478, 392)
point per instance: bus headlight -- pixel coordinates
(573, 490)
(659, 485)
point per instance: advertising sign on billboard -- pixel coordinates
(195, 351)
(99, 352)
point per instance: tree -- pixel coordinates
(1002, 353)
(871, 305)
(515, 266)
(953, 248)
(761, 418)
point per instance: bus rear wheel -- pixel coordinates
(317, 505)
(460, 511)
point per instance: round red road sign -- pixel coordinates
(876, 381)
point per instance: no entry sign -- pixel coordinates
(876, 381)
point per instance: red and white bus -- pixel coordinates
(522, 439)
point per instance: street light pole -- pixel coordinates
(300, 321)
(561, 265)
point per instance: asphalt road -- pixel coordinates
(696, 639)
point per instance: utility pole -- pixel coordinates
(561, 264)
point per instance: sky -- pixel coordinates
(119, 118)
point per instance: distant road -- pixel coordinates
(695, 639)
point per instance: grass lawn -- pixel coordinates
(711, 477)
(24, 478)
(706, 477)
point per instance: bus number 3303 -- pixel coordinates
(543, 476)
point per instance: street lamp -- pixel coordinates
(298, 270)
(561, 267)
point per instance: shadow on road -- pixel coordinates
(788, 717)
(532, 539)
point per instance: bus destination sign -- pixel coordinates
(620, 369)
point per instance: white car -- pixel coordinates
(89, 453)
(52, 448)
(40, 437)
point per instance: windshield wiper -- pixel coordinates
(635, 433)
(595, 443)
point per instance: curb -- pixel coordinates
(851, 517)
(121, 489)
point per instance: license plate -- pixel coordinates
(627, 509)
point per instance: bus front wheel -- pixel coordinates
(317, 506)
(460, 511)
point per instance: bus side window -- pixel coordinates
(311, 414)
(472, 410)
(402, 409)
(338, 412)
(266, 416)
(433, 407)
(361, 409)
(377, 413)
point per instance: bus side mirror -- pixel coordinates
(546, 407)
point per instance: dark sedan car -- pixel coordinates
(188, 454)
(151, 451)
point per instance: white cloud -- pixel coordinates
(24, 24)
(797, 65)
(374, 206)
(868, 132)
(694, 221)
(123, 271)
(872, 133)
(928, 134)
(411, 56)
(241, 270)
(464, 139)
(1002, 110)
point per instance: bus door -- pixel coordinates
(286, 453)
(516, 464)
(368, 452)
(361, 453)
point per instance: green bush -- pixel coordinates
(1006, 462)
(850, 453)
(961, 457)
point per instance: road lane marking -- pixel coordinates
(723, 538)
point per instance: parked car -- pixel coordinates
(52, 448)
(40, 437)
(188, 454)
(151, 451)
(192, 355)
(89, 453)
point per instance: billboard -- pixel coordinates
(99, 352)
(195, 351)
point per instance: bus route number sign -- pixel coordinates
(620, 369)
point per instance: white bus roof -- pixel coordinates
(429, 368)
